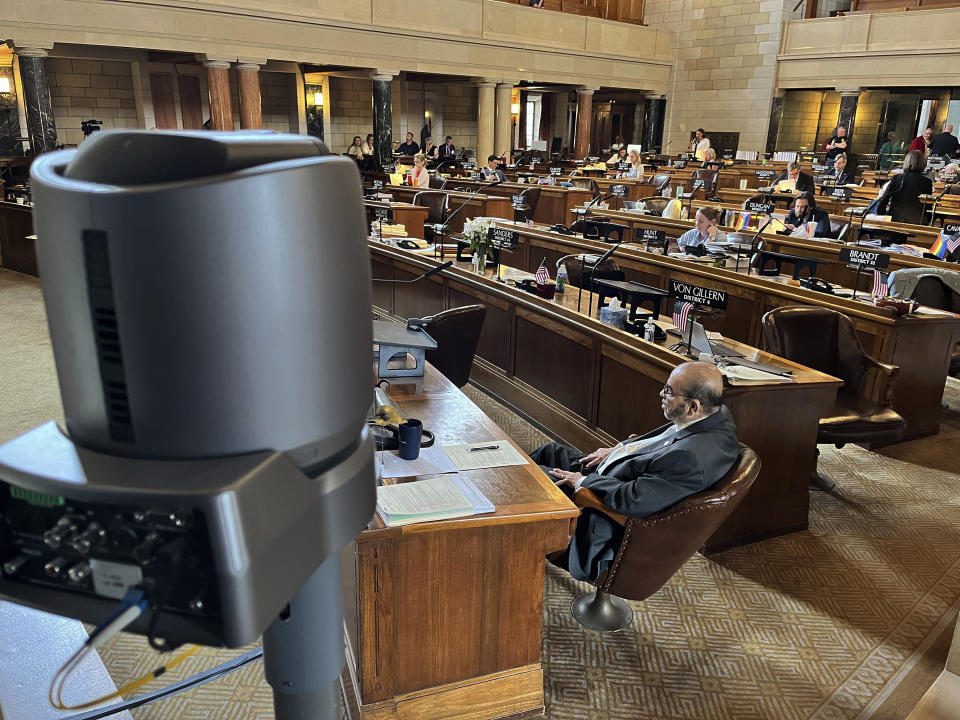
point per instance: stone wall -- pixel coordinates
(87, 90)
(801, 115)
(724, 76)
(459, 116)
(278, 101)
(348, 112)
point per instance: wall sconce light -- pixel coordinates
(318, 99)
(4, 84)
(515, 109)
(7, 98)
(426, 114)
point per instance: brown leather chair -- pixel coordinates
(656, 204)
(437, 182)
(826, 340)
(528, 207)
(709, 177)
(655, 547)
(437, 204)
(660, 182)
(758, 198)
(457, 332)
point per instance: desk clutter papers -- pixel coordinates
(438, 498)
(742, 375)
(432, 461)
(486, 454)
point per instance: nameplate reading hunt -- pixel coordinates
(760, 208)
(651, 236)
(378, 184)
(555, 171)
(841, 193)
(503, 237)
(766, 174)
(866, 259)
(698, 295)
(680, 164)
(618, 190)
(623, 166)
(383, 214)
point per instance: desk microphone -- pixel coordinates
(428, 273)
(933, 211)
(583, 216)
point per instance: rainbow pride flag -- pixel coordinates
(744, 222)
(939, 248)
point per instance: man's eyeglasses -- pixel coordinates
(668, 391)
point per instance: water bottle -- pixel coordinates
(649, 330)
(561, 278)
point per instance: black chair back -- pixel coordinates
(457, 332)
(436, 204)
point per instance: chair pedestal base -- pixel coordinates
(601, 611)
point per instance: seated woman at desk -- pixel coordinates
(420, 176)
(839, 174)
(900, 198)
(805, 210)
(710, 159)
(705, 231)
(636, 167)
(356, 149)
(619, 156)
(431, 151)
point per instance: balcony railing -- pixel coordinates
(630, 11)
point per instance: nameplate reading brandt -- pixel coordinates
(866, 259)
(709, 297)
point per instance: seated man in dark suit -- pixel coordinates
(800, 180)
(805, 210)
(643, 475)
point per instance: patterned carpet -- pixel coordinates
(843, 621)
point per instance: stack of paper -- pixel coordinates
(438, 498)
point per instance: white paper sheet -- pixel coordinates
(504, 454)
(432, 461)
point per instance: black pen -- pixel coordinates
(486, 447)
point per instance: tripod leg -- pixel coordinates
(303, 649)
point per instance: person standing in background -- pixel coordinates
(922, 142)
(838, 144)
(891, 148)
(699, 145)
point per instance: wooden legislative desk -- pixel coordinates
(412, 217)
(554, 205)
(590, 384)
(443, 619)
(17, 251)
(920, 344)
(480, 206)
(834, 271)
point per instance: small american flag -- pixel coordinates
(880, 287)
(543, 275)
(953, 243)
(681, 314)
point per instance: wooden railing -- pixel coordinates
(882, 6)
(630, 11)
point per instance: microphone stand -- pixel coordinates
(598, 199)
(597, 264)
(933, 211)
(443, 227)
(428, 273)
(753, 241)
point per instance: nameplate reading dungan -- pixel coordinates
(618, 190)
(766, 174)
(503, 237)
(651, 236)
(698, 295)
(865, 259)
(760, 208)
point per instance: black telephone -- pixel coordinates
(818, 284)
(562, 229)
(408, 245)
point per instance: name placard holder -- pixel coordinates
(623, 166)
(503, 237)
(760, 208)
(649, 236)
(841, 193)
(378, 184)
(618, 190)
(680, 164)
(950, 229)
(555, 171)
(698, 295)
(383, 214)
(863, 259)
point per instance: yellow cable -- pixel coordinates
(58, 703)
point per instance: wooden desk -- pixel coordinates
(412, 217)
(17, 251)
(443, 619)
(920, 344)
(590, 384)
(554, 206)
(478, 206)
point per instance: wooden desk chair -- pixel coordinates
(659, 182)
(607, 270)
(437, 204)
(709, 177)
(826, 340)
(656, 205)
(457, 332)
(655, 547)
(437, 183)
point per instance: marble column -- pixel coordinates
(36, 100)
(248, 82)
(848, 111)
(584, 122)
(485, 120)
(654, 111)
(773, 129)
(503, 131)
(218, 85)
(382, 117)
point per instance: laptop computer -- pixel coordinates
(702, 344)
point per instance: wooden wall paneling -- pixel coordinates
(416, 299)
(16, 248)
(382, 292)
(555, 360)
(164, 104)
(495, 344)
(191, 107)
(629, 401)
(380, 591)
